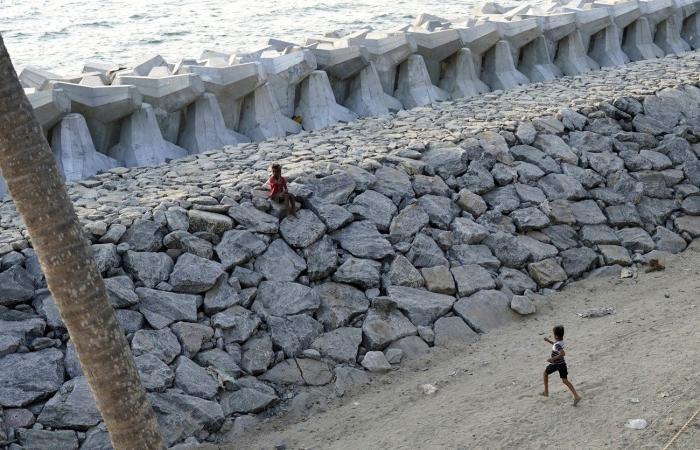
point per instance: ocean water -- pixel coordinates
(59, 35)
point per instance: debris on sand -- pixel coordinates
(636, 424)
(596, 312)
(428, 389)
(655, 265)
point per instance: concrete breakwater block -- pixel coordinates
(536, 61)
(638, 43)
(144, 67)
(498, 69)
(168, 96)
(285, 72)
(479, 39)
(414, 87)
(571, 56)
(74, 151)
(35, 78)
(386, 53)
(262, 118)
(102, 107)
(317, 106)
(668, 35)
(49, 107)
(205, 129)
(656, 11)
(518, 34)
(367, 97)
(140, 142)
(435, 47)
(461, 78)
(605, 47)
(691, 31)
(341, 63)
(230, 85)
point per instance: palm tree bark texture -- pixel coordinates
(34, 182)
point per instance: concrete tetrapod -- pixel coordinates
(205, 129)
(102, 107)
(638, 43)
(144, 67)
(74, 151)
(140, 142)
(479, 39)
(168, 96)
(499, 71)
(536, 57)
(518, 34)
(414, 87)
(606, 45)
(367, 97)
(49, 107)
(460, 78)
(342, 65)
(230, 85)
(33, 77)
(668, 33)
(571, 56)
(285, 72)
(435, 47)
(317, 106)
(691, 31)
(262, 118)
(386, 53)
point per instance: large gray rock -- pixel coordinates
(528, 219)
(363, 273)
(303, 229)
(546, 272)
(438, 279)
(334, 188)
(285, 373)
(471, 278)
(221, 361)
(247, 400)
(192, 336)
(106, 257)
(425, 252)
(162, 308)
(636, 240)
(283, 298)
(254, 219)
(375, 361)
(120, 291)
(97, 438)
(402, 273)
(375, 207)
(485, 310)
(16, 286)
(188, 243)
(193, 274)
(668, 241)
(411, 347)
(509, 250)
(293, 334)
(349, 380)
(556, 148)
(26, 377)
(147, 267)
(236, 323)
(466, 231)
(452, 332)
(238, 247)
(407, 223)
(321, 258)
(446, 161)
(421, 307)
(441, 210)
(72, 407)
(49, 311)
(473, 254)
(279, 262)
(559, 186)
(48, 440)
(393, 183)
(208, 221)
(257, 354)
(340, 345)
(144, 236)
(536, 157)
(340, 304)
(221, 296)
(333, 216)
(381, 328)
(362, 239)
(576, 261)
(162, 344)
(155, 374)
(181, 416)
(194, 379)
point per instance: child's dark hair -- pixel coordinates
(275, 166)
(558, 331)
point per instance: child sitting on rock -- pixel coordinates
(278, 190)
(557, 363)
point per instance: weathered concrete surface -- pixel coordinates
(285, 73)
(49, 107)
(262, 117)
(204, 127)
(414, 87)
(317, 106)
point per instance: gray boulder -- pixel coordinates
(636, 240)
(71, 407)
(279, 262)
(559, 186)
(393, 183)
(546, 272)
(192, 336)
(314, 372)
(180, 415)
(424, 252)
(576, 261)
(375, 361)
(349, 380)
(247, 400)
(522, 305)
(334, 188)
(193, 274)
(162, 308)
(209, 222)
(380, 328)
(257, 354)
(466, 231)
(106, 257)
(155, 374)
(293, 334)
(473, 254)
(238, 247)
(668, 241)
(254, 219)
(375, 207)
(362, 240)
(438, 279)
(48, 440)
(340, 304)
(221, 296)
(162, 344)
(340, 345)
(485, 310)
(194, 379)
(26, 377)
(402, 273)
(283, 298)
(16, 286)
(363, 273)
(147, 267)
(220, 361)
(421, 307)
(453, 332)
(471, 278)
(144, 236)
(333, 216)
(321, 258)
(509, 250)
(440, 210)
(302, 230)
(120, 291)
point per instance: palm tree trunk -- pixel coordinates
(28, 166)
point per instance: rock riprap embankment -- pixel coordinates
(153, 111)
(418, 230)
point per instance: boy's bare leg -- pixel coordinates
(571, 387)
(546, 385)
(291, 205)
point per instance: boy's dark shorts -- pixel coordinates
(561, 368)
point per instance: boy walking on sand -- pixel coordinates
(557, 363)
(278, 190)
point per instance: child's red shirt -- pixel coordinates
(277, 186)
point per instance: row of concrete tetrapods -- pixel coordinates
(153, 112)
